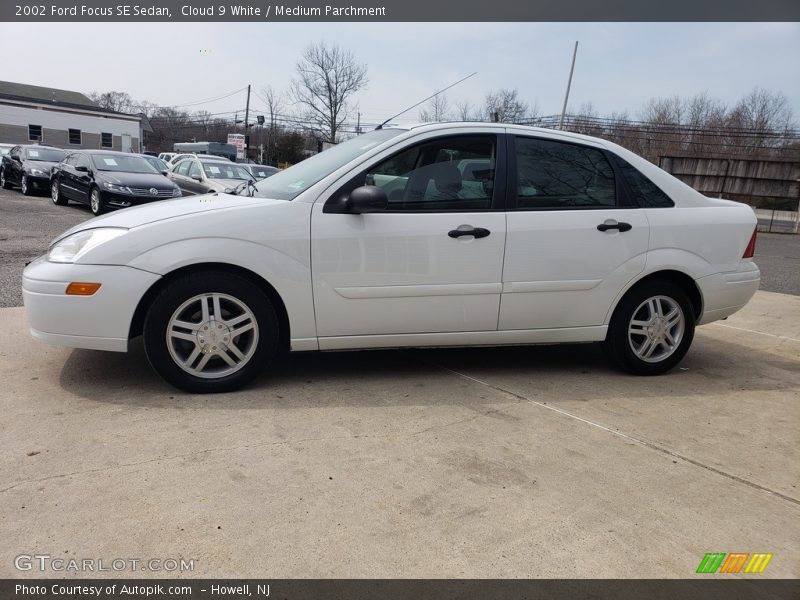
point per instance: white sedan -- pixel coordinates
(436, 235)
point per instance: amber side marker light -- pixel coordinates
(80, 288)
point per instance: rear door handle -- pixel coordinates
(478, 232)
(612, 224)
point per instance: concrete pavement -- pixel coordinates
(506, 462)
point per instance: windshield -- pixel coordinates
(159, 164)
(260, 172)
(122, 163)
(289, 183)
(47, 154)
(218, 169)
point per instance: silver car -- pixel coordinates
(202, 175)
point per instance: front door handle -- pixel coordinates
(612, 224)
(478, 232)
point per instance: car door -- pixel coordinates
(180, 175)
(431, 262)
(14, 172)
(574, 239)
(67, 175)
(83, 179)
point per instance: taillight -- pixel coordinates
(751, 246)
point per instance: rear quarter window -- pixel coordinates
(644, 192)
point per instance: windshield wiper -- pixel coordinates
(249, 184)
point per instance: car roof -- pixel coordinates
(37, 146)
(500, 127)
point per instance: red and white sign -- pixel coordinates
(237, 139)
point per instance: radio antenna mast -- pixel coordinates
(426, 99)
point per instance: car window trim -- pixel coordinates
(335, 205)
(622, 196)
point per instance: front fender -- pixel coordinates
(289, 275)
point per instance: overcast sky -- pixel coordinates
(619, 66)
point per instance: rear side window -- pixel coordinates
(645, 193)
(556, 175)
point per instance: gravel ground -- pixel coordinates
(28, 224)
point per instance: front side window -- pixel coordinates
(455, 173)
(558, 175)
(183, 168)
(34, 133)
(74, 136)
(194, 170)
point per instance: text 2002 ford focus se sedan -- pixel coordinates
(437, 235)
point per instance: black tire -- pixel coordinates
(98, 207)
(56, 195)
(24, 187)
(184, 289)
(5, 183)
(620, 346)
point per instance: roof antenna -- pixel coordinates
(425, 100)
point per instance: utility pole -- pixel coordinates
(358, 126)
(569, 83)
(246, 125)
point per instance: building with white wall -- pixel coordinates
(31, 113)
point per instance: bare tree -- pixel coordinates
(327, 77)
(464, 111)
(506, 105)
(275, 103)
(438, 110)
(116, 101)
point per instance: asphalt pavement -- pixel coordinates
(29, 224)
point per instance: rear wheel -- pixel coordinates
(96, 202)
(55, 193)
(652, 328)
(4, 183)
(210, 332)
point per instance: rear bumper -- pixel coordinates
(725, 293)
(98, 322)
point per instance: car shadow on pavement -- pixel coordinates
(435, 377)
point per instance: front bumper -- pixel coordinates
(37, 182)
(98, 322)
(113, 200)
(725, 293)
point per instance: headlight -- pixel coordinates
(120, 189)
(72, 247)
(39, 173)
(176, 192)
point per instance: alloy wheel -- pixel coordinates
(656, 329)
(212, 335)
(24, 185)
(94, 202)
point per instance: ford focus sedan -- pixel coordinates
(434, 235)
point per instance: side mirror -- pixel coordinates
(197, 177)
(82, 168)
(367, 199)
(164, 172)
(17, 158)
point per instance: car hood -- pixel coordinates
(144, 180)
(167, 209)
(42, 165)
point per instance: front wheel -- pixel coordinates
(55, 193)
(96, 202)
(652, 328)
(24, 187)
(210, 332)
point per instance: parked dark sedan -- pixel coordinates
(108, 180)
(29, 167)
(201, 175)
